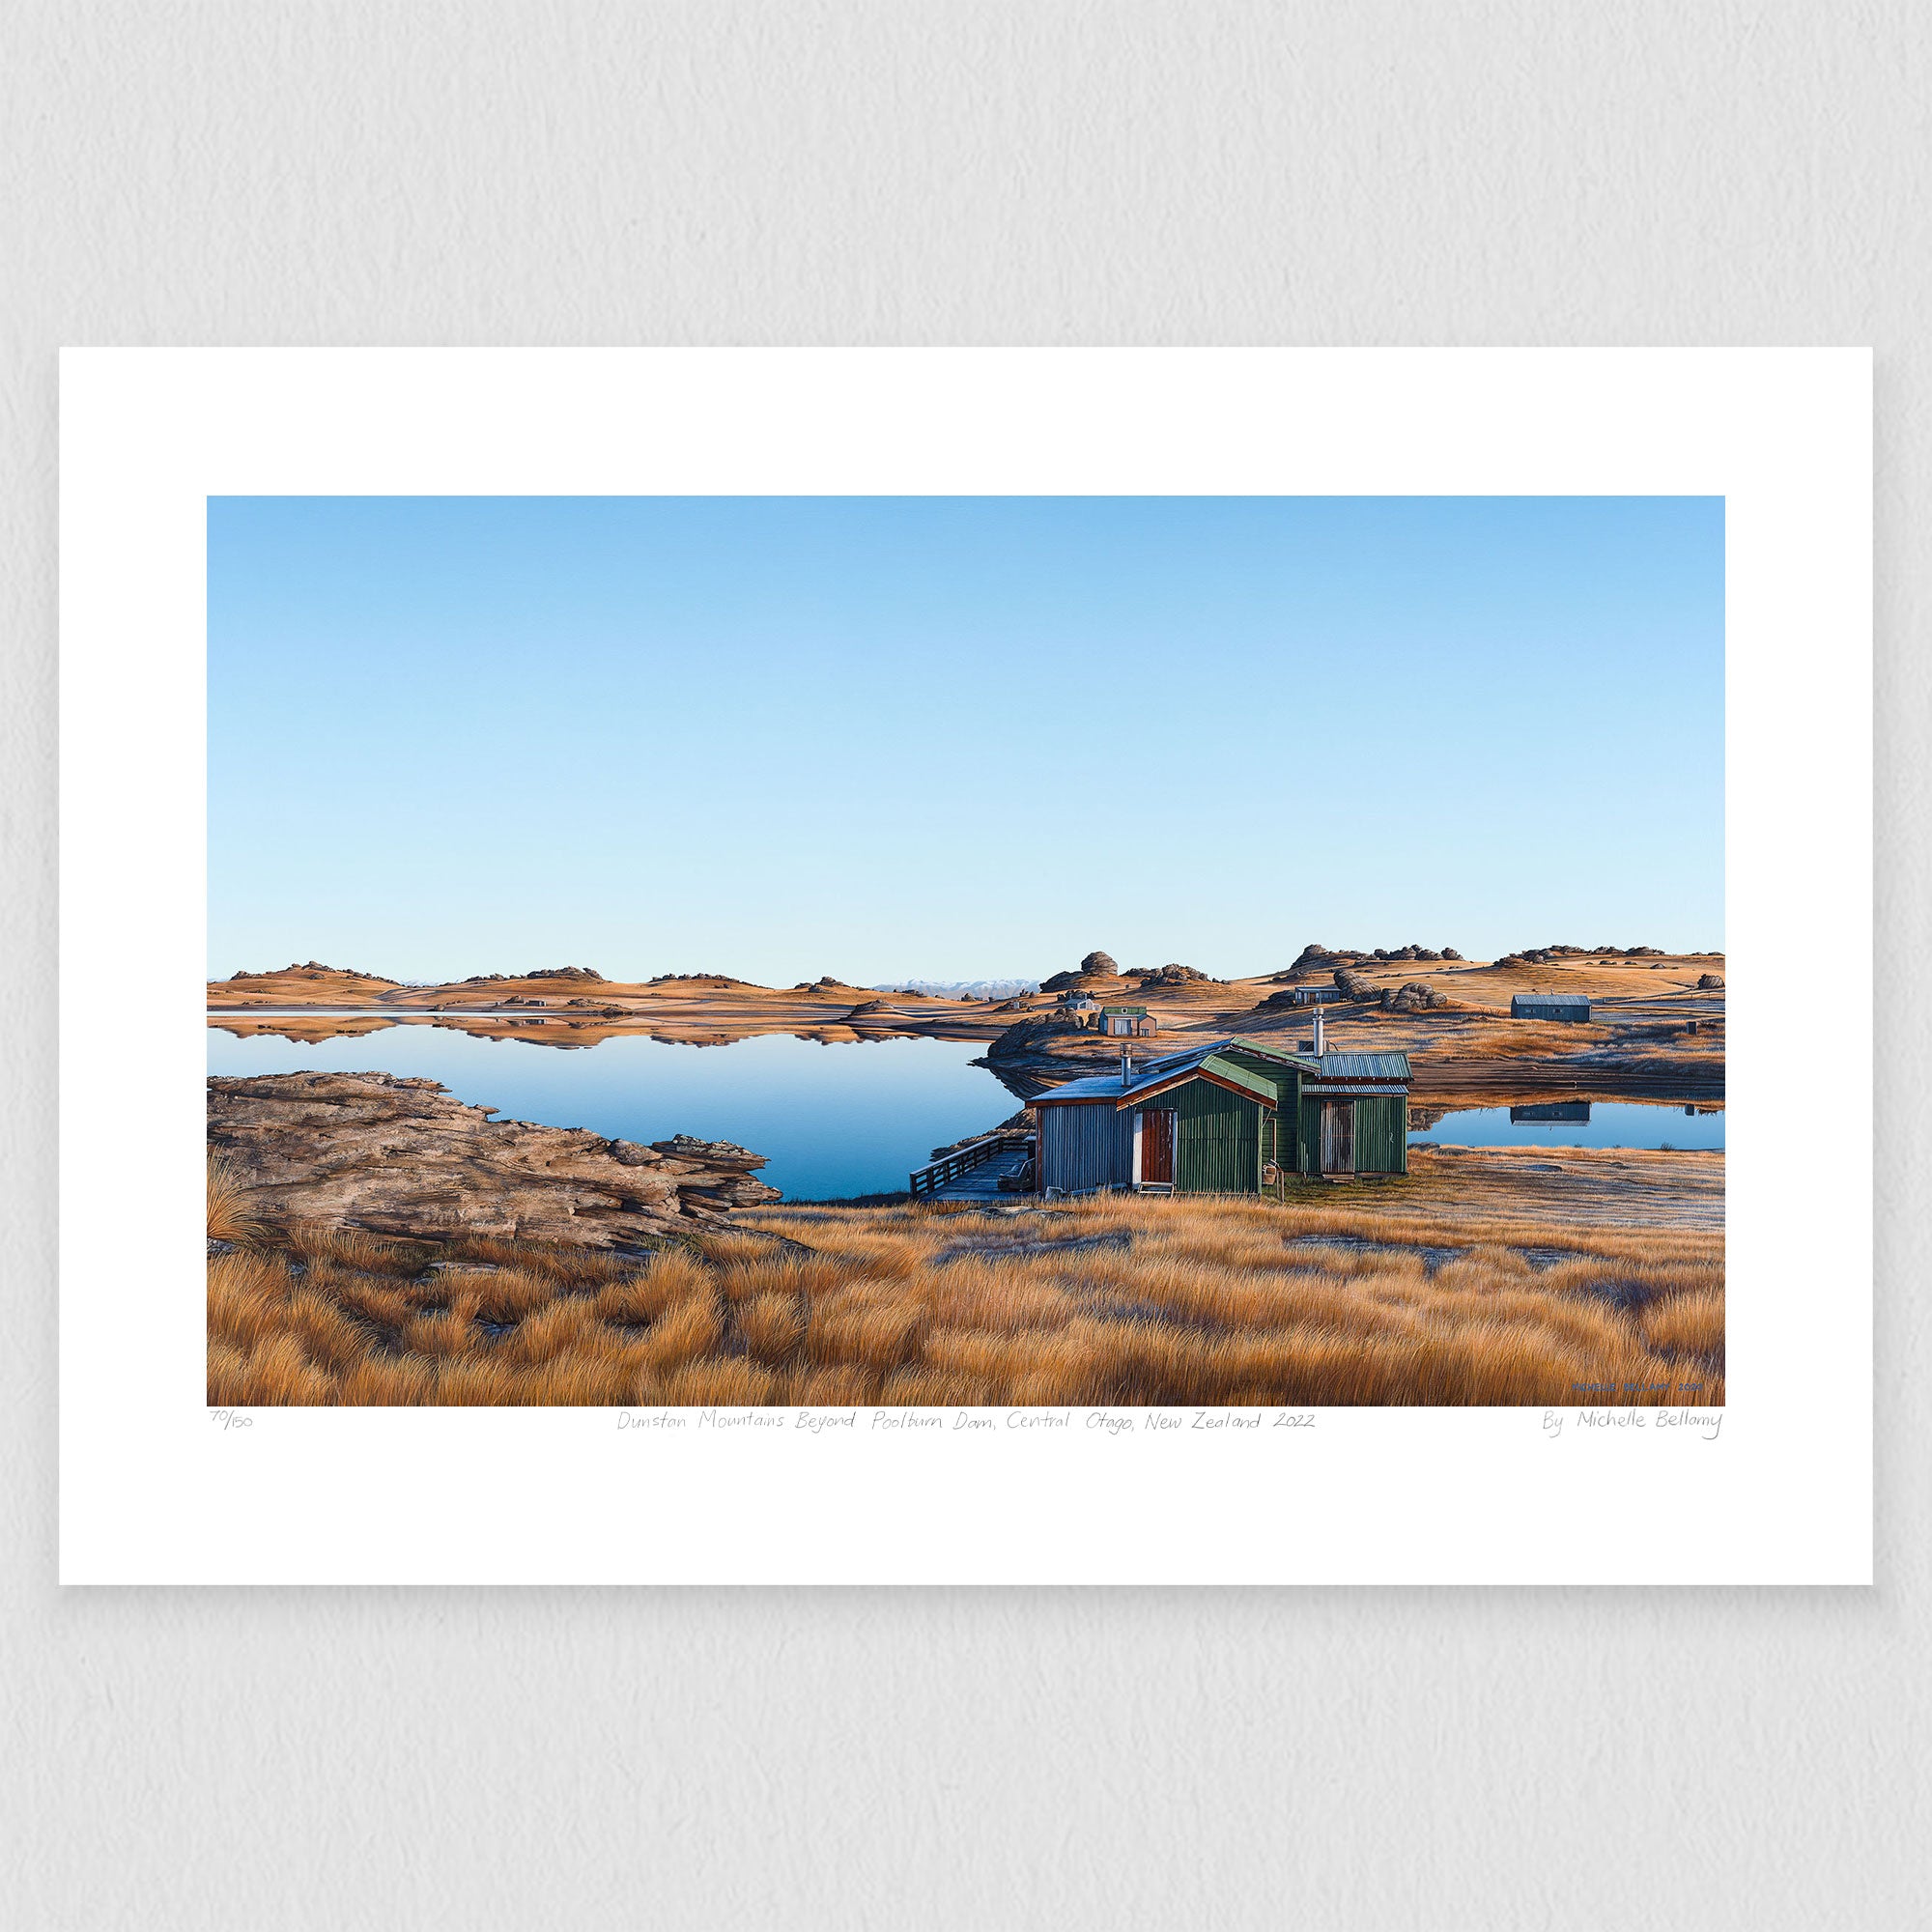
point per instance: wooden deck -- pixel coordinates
(982, 1183)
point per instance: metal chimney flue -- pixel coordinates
(1318, 1033)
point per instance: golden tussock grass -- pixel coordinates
(230, 1215)
(1368, 1300)
(773, 1324)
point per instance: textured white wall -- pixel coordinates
(363, 171)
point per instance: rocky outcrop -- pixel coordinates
(1416, 997)
(406, 1158)
(314, 969)
(1027, 1050)
(1315, 958)
(1544, 955)
(1097, 968)
(582, 972)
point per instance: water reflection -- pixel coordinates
(833, 1120)
(1595, 1123)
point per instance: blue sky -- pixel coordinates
(955, 737)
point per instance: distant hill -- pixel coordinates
(959, 989)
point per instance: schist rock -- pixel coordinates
(406, 1158)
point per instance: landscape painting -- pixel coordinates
(918, 952)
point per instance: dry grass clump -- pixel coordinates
(1365, 1300)
(773, 1324)
(230, 1217)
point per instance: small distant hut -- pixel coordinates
(1315, 996)
(1569, 1007)
(1127, 1022)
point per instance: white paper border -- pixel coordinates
(153, 1490)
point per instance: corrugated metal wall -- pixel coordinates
(1381, 1134)
(1085, 1146)
(1558, 1009)
(1286, 1150)
(1219, 1148)
(1221, 1138)
(1308, 1154)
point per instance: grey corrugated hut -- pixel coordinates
(1549, 1007)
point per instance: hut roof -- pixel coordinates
(1387, 1071)
(1331, 1066)
(1364, 1067)
(1202, 1062)
(1207, 1065)
(1097, 1087)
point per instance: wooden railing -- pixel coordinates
(931, 1177)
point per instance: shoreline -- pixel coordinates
(1656, 1030)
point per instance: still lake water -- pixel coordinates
(833, 1120)
(853, 1117)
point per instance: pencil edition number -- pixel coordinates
(226, 1419)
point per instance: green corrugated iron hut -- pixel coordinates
(1232, 1117)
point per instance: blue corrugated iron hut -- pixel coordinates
(1549, 1007)
(1232, 1117)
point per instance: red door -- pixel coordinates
(1157, 1146)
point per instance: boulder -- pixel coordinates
(1315, 958)
(1414, 998)
(1098, 962)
